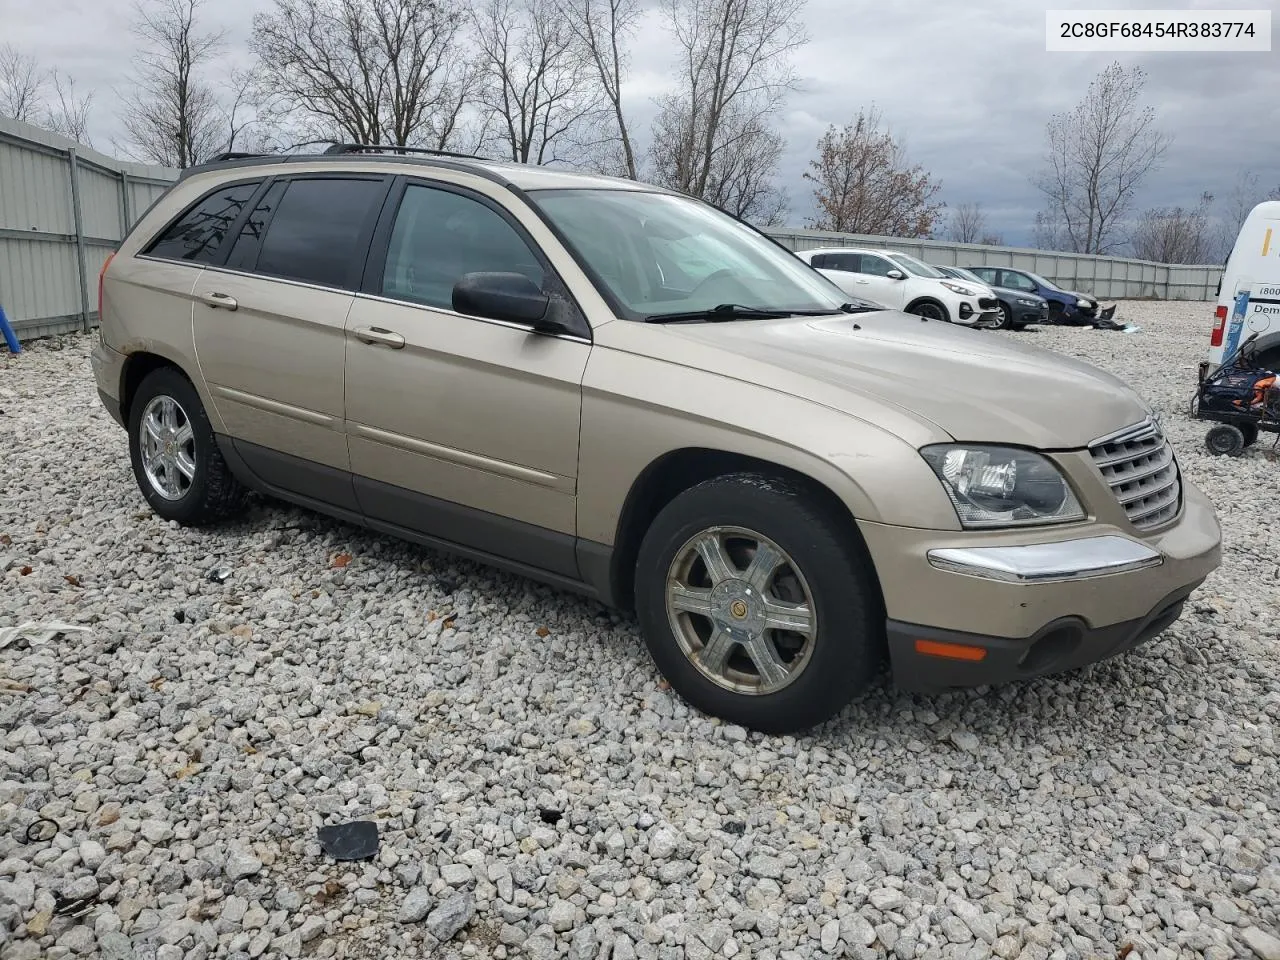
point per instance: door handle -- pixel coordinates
(218, 301)
(388, 338)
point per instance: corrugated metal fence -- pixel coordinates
(63, 209)
(1111, 278)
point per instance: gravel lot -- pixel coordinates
(535, 786)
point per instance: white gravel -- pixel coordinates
(537, 790)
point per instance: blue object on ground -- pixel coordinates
(10, 337)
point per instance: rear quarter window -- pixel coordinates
(198, 234)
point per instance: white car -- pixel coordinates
(901, 282)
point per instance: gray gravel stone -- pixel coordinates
(416, 905)
(1133, 801)
(452, 915)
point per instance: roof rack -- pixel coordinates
(339, 148)
(235, 155)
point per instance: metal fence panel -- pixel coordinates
(51, 246)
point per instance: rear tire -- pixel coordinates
(1225, 440)
(708, 605)
(176, 459)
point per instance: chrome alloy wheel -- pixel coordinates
(167, 444)
(741, 610)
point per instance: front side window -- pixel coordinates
(876, 266)
(439, 236)
(317, 234)
(658, 254)
(197, 235)
(1017, 281)
(1045, 283)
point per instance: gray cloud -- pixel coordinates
(968, 86)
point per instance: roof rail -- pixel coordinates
(235, 155)
(339, 148)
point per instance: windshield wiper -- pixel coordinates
(720, 313)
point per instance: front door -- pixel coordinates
(884, 288)
(269, 323)
(460, 428)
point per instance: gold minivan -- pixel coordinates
(626, 392)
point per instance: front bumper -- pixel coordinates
(1024, 314)
(1002, 605)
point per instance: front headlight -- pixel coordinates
(1083, 303)
(957, 288)
(1028, 303)
(1002, 486)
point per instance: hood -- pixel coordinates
(973, 384)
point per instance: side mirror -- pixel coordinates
(512, 297)
(895, 275)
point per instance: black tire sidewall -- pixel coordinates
(169, 382)
(1225, 431)
(850, 635)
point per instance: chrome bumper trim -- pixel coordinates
(1048, 562)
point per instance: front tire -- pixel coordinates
(930, 310)
(753, 606)
(1006, 318)
(175, 458)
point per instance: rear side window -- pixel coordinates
(439, 236)
(198, 234)
(818, 260)
(245, 251)
(319, 232)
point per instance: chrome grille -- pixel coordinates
(1138, 465)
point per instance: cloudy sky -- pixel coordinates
(967, 85)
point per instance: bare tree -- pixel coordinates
(368, 71)
(68, 111)
(171, 112)
(22, 84)
(1246, 193)
(1097, 155)
(1174, 235)
(967, 223)
(733, 72)
(863, 183)
(603, 27)
(540, 82)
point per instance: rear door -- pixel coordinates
(269, 320)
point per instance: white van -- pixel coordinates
(1249, 297)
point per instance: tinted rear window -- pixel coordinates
(198, 234)
(320, 230)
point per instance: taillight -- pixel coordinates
(101, 275)
(1219, 324)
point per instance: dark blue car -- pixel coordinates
(1065, 306)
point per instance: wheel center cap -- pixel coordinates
(737, 607)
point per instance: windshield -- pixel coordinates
(1045, 283)
(917, 267)
(662, 254)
